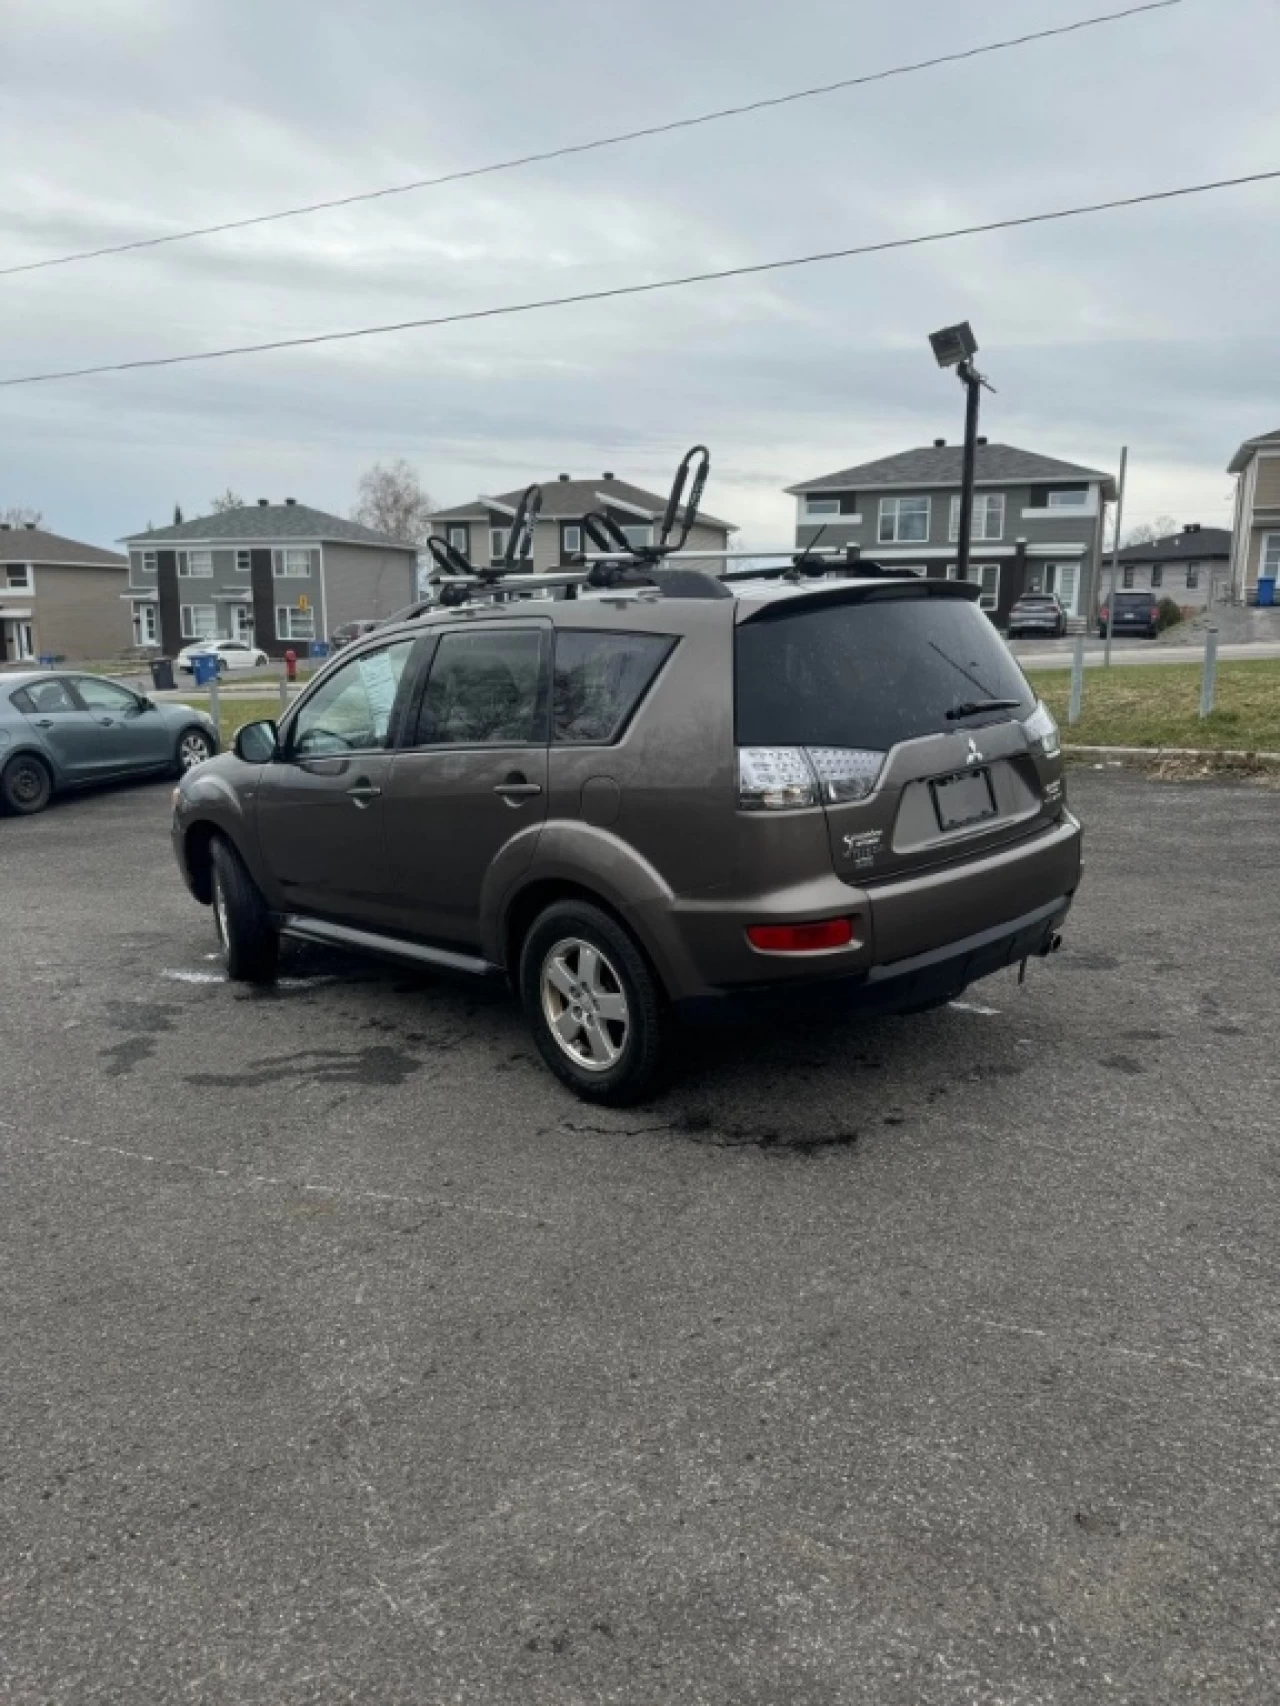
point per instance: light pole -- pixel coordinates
(956, 346)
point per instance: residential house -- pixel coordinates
(480, 529)
(59, 598)
(280, 575)
(1192, 567)
(1037, 522)
(1256, 466)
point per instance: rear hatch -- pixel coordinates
(910, 710)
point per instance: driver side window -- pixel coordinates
(351, 712)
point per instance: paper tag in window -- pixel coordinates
(380, 683)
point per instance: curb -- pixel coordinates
(1236, 755)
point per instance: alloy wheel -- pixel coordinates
(584, 1004)
(194, 750)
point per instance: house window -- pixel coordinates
(497, 543)
(1193, 576)
(195, 565)
(146, 630)
(1157, 574)
(904, 520)
(199, 621)
(244, 563)
(1126, 575)
(638, 536)
(458, 537)
(148, 562)
(822, 506)
(988, 517)
(570, 540)
(1270, 554)
(18, 577)
(988, 577)
(1068, 497)
(295, 624)
(291, 564)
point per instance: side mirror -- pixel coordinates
(257, 743)
(145, 704)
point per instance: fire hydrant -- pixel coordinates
(291, 665)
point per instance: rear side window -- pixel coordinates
(43, 698)
(868, 674)
(600, 680)
(485, 689)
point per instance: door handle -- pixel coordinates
(44, 722)
(517, 788)
(106, 722)
(362, 793)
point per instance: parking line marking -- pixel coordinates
(973, 1007)
(340, 1191)
(194, 976)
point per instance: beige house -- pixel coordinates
(60, 598)
(480, 529)
(1256, 551)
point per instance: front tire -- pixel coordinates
(194, 747)
(26, 785)
(595, 1008)
(248, 938)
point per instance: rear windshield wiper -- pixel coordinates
(971, 707)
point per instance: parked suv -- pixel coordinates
(1038, 613)
(1136, 613)
(648, 807)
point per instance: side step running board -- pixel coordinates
(393, 947)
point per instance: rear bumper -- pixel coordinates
(902, 986)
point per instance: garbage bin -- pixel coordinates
(318, 649)
(204, 667)
(1267, 590)
(162, 674)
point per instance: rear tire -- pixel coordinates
(26, 785)
(247, 936)
(596, 1010)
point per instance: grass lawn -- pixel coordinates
(1159, 705)
(235, 713)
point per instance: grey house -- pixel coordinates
(280, 575)
(1037, 522)
(1256, 466)
(59, 598)
(480, 529)
(1192, 567)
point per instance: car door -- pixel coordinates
(67, 731)
(320, 802)
(133, 733)
(468, 785)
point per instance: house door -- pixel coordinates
(146, 625)
(242, 623)
(19, 640)
(1060, 578)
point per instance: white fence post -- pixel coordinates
(1209, 678)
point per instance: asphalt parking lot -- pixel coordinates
(344, 1357)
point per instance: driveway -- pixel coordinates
(346, 1358)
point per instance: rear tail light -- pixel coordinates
(1155, 613)
(1042, 732)
(801, 938)
(785, 778)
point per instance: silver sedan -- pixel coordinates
(61, 730)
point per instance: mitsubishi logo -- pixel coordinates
(975, 757)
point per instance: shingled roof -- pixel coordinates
(266, 522)
(571, 499)
(34, 545)
(940, 465)
(1243, 456)
(1187, 546)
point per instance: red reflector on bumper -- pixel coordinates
(801, 938)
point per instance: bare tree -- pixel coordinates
(228, 500)
(391, 499)
(1145, 531)
(21, 515)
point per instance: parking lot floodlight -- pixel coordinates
(954, 344)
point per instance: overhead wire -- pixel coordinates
(591, 146)
(649, 287)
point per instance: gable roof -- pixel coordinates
(940, 465)
(569, 500)
(1186, 546)
(1244, 455)
(267, 522)
(34, 545)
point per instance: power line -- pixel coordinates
(644, 289)
(597, 143)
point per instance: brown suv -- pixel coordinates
(683, 801)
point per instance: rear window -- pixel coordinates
(1140, 599)
(868, 674)
(1038, 598)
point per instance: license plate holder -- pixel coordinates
(963, 799)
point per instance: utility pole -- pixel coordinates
(1115, 553)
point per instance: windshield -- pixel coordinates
(869, 674)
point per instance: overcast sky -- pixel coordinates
(1155, 327)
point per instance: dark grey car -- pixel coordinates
(680, 803)
(60, 729)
